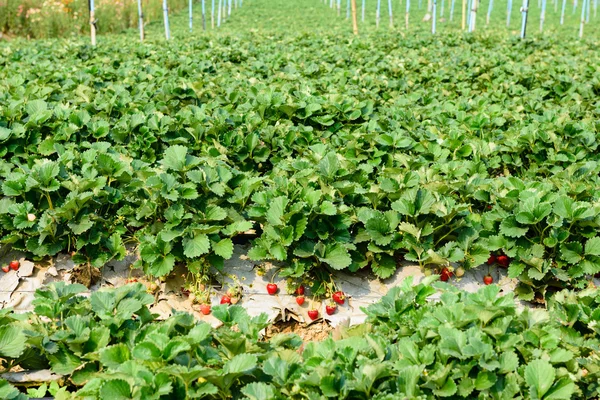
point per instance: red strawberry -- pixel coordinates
(330, 309)
(492, 259)
(488, 279)
(300, 290)
(503, 260)
(14, 265)
(225, 299)
(339, 297)
(313, 314)
(445, 274)
(205, 309)
(271, 288)
(300, 300)
(5, 268)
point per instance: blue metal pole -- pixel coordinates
(434, 17)
(363, 10)
(166, 19)
(191, 19)
(524, 11)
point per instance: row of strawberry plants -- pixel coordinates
(321, 209)
(337, 178)
(466, 345)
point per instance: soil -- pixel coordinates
(317, 331)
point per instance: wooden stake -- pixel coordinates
(354, 18)
(582, 23)
(212, 14)
(203, 16)
(464, 14)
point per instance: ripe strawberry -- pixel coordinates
(225, 299)
(492, 259)
(488, 279)
(339, 297)
(300, 290)
(313, 314)
(5, 268)
(300, 300)
(330, 309)
(205, 309)
(272, 288)
(504, 261)
(14, 265)
(445, 274)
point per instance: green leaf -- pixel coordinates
(561, 390)
(509, 227)
(592, 246)
(12, 341)
(485, 380)
(162, 265)
(223, 248)
(276, 210)
(64, 362)
(146, 351)
(448, 389)
(258, 391)
(571, 252)
(114, 356)
(196, 246)
(539, 375)
(175, 158)
(115, 389)
(337, 256)
(240, 364)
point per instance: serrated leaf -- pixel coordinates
(175, 158)
(258, 391)
(240, 364)
(115, 355)
(223, 248)
(276, 210)
(337, 256)
(571, 252)
(12, 341)
(592, 246)
(509, 227)
(115, 389)
(196, 246)
(539, 375)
